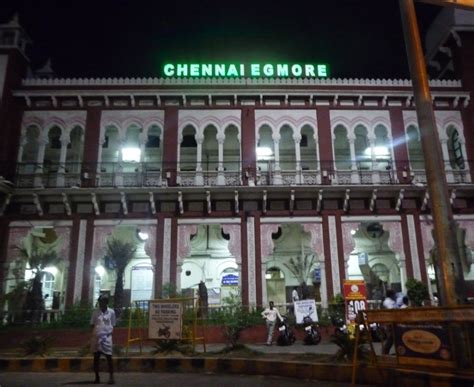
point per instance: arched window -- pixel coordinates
(456, 157)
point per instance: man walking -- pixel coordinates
(103, 321)
(270, 315)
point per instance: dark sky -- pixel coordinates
(357, 38)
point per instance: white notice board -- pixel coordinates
(165, 320)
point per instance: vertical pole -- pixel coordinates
(449, 272)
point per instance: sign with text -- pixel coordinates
(165, 320)
(355, 295)
(305, 308)
(230, 280)
(423, 344)
(236, 70)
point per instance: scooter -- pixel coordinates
(312, 332)
(286, 335)
(340, 326)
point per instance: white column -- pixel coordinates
(298, 177)
(415, 259)
(355, 178)
(166, 275)
(466, 174)
(79, 269)
(393, 164)
(42, 141)
(318, 160)
(22, 168)
(373, 156)
(277, 169)
(99, 161)
(403, 272)
(447, 164)
(323, 288)
(198, 178)
(119, 170)
(220, 163)
(60, 178)
(336, 276)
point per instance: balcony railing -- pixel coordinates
(266, 173)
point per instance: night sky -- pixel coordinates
(108, 38)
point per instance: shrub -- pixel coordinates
(37, 345)
(417, 291)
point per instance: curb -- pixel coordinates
(299, 370)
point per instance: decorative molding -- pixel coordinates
(184, 241)
(231, 81)
(266, 241)
(317, 243)
(336, 276)
(296, 119)
(252, 278)
(45, 120)
(415, 259)
(79, 269)
(235, 245)
(166, 251)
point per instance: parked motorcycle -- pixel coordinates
(340, 327)
(312, 332)
(286, 335)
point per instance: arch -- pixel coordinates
(415, 151)
(341, 148)
(455, 148)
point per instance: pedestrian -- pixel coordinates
(270, 315)
(103, 322)
(294, 294)
(294, 297)
(388, 303)
(404, 303)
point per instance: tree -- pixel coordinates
(301, 267)
(118, 255)
(417, 291)
(38, 258)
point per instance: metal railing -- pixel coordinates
(264, 173)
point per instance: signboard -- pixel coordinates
(165, 320)
(317, 275)
(423, 344)
(235, 70)
(230, 280)
(305, 308)
(355, 295)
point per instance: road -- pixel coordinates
(36, 379)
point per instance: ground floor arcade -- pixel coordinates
(253, 255)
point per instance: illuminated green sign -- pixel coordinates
(281, 70)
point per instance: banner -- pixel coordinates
(165, 320)
(305, 308)
(355, 295)
(423, 344)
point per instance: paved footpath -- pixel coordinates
(133, 379)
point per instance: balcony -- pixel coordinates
(266, 173)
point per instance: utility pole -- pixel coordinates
(448, 265)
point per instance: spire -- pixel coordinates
(46, 71)
(12, 35)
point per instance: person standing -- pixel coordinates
(294, 295)
(270, 315)
(388, 303)
(103, 322)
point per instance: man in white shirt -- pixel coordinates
(103, 322)
(270, 315)
(388, 303)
